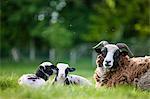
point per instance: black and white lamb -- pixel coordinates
(62, 77)
(115, 66)
(44, 71)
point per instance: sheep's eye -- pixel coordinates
(98, 51)
(48, 67)
(104, 51)
(57, 69)
(66, 71)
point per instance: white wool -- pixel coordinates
(46, 64)
(24, 81)
(79, 80)
(109, 57)
(62, 66)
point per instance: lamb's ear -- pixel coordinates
(124, 49)
(54, 68)
(99, 46)
(41, 68)
(71, 69)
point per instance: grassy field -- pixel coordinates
(9, 89)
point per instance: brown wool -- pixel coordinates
(128, 70)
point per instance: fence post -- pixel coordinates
(15, 54)
(32, 51)
(73, 56)
(52, 55)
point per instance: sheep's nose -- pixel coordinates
(108, 62)
(62, 75)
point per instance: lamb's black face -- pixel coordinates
(45, 70)
(49, 69)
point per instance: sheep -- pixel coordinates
(44, 71)
(116, 65)
(62, 77)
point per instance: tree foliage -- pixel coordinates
(119, 19)
(56, 35)
(79, 21)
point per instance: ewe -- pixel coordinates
(115, 67)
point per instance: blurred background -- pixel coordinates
(66, 30)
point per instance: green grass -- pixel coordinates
(9, 89)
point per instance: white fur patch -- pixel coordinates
(46, 63)
(35, 83)
(79, 80)
(110, 53)
(61, 72)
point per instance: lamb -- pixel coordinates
(62, 77)
(44, 71)
(115, 66)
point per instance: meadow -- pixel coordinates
(9, 88)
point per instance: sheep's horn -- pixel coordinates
(100, 45)
(125, 48)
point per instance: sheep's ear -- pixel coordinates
(41, 67)
(71, 69)
(54, 68)
(97, 50)
(124, 49)
(99, 46)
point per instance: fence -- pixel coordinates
(72, 55)
(83, 51)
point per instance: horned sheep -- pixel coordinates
(116, 65)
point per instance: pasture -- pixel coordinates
(9, 89)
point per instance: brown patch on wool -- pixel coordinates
(127, 72)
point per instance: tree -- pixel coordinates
(17, 20)
(119, 19)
